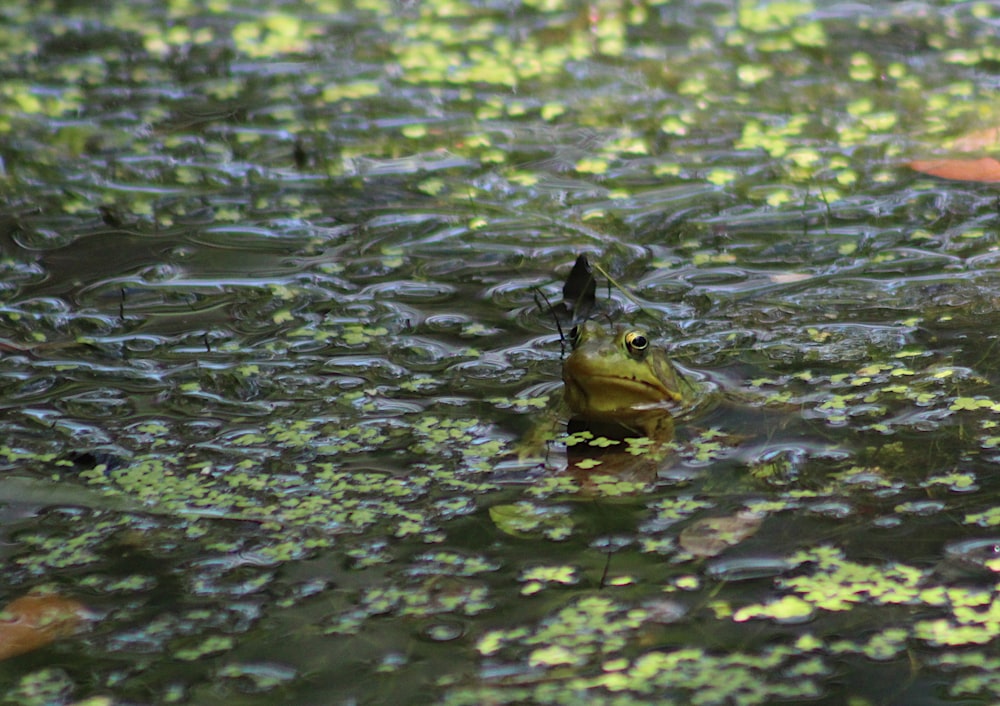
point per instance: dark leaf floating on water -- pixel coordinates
(580, 291)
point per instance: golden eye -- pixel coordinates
(635, 342)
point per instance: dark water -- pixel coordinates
(269, 284)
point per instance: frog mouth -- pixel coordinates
(652, 396)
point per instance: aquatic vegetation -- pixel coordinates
(582, 651)
(269, 337)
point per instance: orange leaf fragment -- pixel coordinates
(985, 169)
(33, 621)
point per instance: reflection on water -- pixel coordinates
(270, 333)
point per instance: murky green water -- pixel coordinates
(268, 310)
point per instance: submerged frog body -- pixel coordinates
(616, 377)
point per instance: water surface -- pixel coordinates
(270, 333)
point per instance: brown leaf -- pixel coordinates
(33, 621)
(986, 169)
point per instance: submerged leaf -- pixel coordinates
(33, 621)
(527, 520)
(712, 535)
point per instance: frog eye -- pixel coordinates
(635, 342)
(574, 335)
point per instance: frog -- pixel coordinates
(617, 377)
(618, 385)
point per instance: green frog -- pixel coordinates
(617, 385)
(618, 378)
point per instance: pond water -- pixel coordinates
(272, 331)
